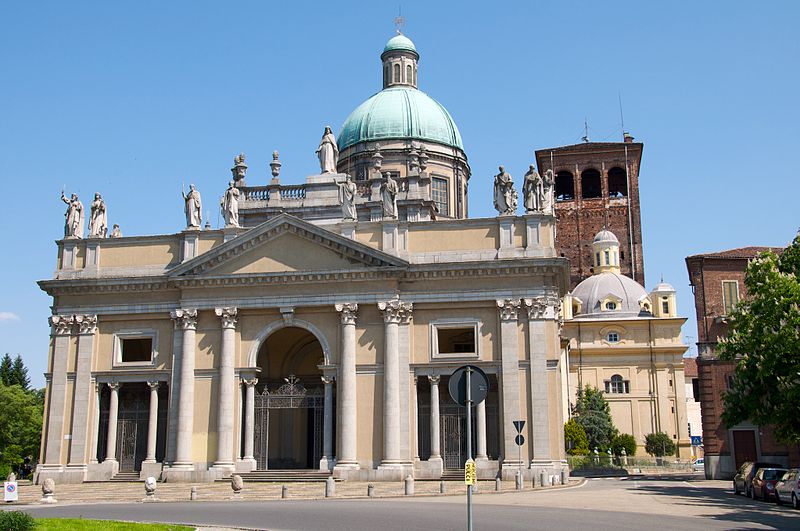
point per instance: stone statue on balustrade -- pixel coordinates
(532, 190)
(230, 205)
(73, 227)
(548, 192)
(328, 152)
(505, 197)
(193, 207)
(389, 191)
(239, 170)
(116, 232)
(347, 197)
(98, 220)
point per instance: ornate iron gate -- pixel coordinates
(132, 430)
(453, 451)
(290, 395)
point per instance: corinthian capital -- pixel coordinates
(544, 307)
(61, 325)
(185, 318)
(347, 312)
(227, 315)
(87, 324)
(508, 309)
(395, 311)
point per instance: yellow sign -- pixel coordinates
(470, 473)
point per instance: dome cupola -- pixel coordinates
(399, 62)
(606, 252)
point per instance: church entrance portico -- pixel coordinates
(290, 403)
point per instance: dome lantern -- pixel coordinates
(399, 59)
(606, 252)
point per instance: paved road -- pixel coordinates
(663, 503)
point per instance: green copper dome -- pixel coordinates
(400, 43)
(399, 113)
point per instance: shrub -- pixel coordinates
(575, 438)
(659, 444)
(16, 521)
(623, 440)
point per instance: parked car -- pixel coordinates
(763, 486)
(788, 488)
(743, 479)
(699, 465)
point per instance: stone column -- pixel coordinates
(96, 423)
(347, 404)
(394, 312)
(327, 444)
(540, 310)
(61, 328)
(186, 320)
(240, 424)
(113, 408)
(87, 326)
(480, 418)
(436, 452)
(152, 422)
(249, 419)
(226, 387)
(509, 362)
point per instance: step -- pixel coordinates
(279, 476)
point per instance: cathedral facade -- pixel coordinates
(318, 329)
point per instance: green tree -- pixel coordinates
(623, 440)
(19, 373)
(659, 444)
(20, 426)
(764, 340)
(575, 438)
(593, 413)
(5, 369)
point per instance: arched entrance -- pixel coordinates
(289, 401)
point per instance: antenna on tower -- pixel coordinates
(399, 20)
(621, 116)
(585, 136)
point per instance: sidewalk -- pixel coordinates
(173, 492)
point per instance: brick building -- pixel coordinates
(597, 187)
(717, 280)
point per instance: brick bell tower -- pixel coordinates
(597, 186)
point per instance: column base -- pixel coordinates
(151, 469)
(509, 470)
(433, 468)
(327, 463)
(222, 470)
(346, 470)
(247, 464)
(393, 471)
(179, 473)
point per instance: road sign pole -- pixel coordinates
(469, 447)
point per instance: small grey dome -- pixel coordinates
(664, 286)
(605, 235)
(624, 291)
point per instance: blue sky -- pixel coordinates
(133, 98)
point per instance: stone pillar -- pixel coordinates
(61, 328)
(436, 453)
(226, 388)
(95, 423)
(113, 408)
(152, 422)
(249, 419)
(540, 309)
(394, 312)
(348, 412)
(186, 320)
(509, 362)
(87, 326)
(480, 418)
(240, 424)
(326, 463)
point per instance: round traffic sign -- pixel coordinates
(479, 385)
(520, 440)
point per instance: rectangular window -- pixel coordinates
(454, 339)
(439, 195)
(730, 295)
(665, 306)
(136, 349)
(696, 389)
(608, 261)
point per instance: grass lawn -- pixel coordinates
(70, 524)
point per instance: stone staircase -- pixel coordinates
(283, 476)
(453, 475)
(127, 477)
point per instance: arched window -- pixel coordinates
(665, 305)
(590, 184)
(617, 183)
(616, 385)
(408, 75)
(565, 186)
(611, 306)
(386, 78)
(397, 73)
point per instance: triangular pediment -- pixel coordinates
(286, 244)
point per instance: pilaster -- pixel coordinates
(509, 361)
(87, 327)
(61, 329)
